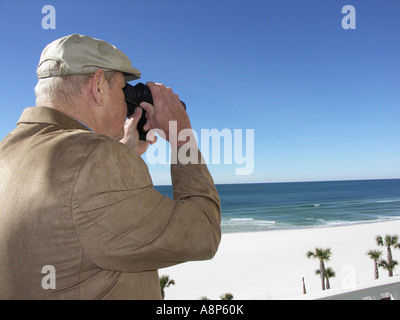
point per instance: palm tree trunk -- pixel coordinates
(376, 270)
(322, 273)
(389, 255)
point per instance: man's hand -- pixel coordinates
(131, 136)
(167, 107)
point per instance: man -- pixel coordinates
(80, 218)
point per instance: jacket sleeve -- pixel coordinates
(124, 224)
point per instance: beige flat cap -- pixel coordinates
(79, 54)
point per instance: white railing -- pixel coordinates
(385, 289)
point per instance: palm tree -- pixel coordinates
(375, 255)
(389, 266)
(165, 282)
(322, 255)
(389, 241)
(329, 273)
(226, 296)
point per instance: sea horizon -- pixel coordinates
(301, 181)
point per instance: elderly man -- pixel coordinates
(80, 218)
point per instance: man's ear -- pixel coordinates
(98, 86)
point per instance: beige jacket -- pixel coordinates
(85, 205)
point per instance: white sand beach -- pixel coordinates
(271, 264)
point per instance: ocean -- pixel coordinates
(270, 206)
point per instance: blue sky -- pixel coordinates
(324, 102)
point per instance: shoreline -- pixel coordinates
(334, 225)
(270, 265)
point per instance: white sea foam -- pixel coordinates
(245, 224)
(247, 220)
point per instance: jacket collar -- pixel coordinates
(48, 115)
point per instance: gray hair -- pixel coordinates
(65, 89)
